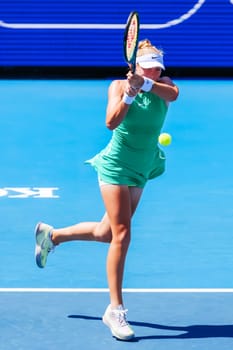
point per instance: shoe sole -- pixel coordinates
(121, 337)
(38, 249)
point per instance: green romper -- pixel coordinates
(132, 155)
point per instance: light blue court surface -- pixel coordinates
(182, 231)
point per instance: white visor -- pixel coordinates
(150, 60)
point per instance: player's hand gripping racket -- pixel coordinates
(131, 36)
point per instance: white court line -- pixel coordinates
(125, 290)
(168, 24)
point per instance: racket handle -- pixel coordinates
(132, 67)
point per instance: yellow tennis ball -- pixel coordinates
(165, 139)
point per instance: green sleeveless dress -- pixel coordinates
(132, 156)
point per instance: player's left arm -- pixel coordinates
(166, 89)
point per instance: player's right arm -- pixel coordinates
(116, 107)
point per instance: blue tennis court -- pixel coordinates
(178, 279)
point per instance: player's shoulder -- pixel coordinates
(165, 79)
(117, 85)
(118, 82)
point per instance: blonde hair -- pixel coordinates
(145, 47)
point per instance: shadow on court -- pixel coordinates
(194, 331)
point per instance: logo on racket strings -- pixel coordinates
(132, 34)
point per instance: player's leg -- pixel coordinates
(84, 231)
(92, 231)
(118, 207)
(47, 237)
(120, 203)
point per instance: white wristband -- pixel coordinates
(128, 99)
(147, 85)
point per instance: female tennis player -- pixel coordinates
(136, 112)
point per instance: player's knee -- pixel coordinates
(122, 236)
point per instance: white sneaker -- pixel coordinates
(115, 319)
(44, 244)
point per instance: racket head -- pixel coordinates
(131, 36)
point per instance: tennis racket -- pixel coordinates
(131, 36)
